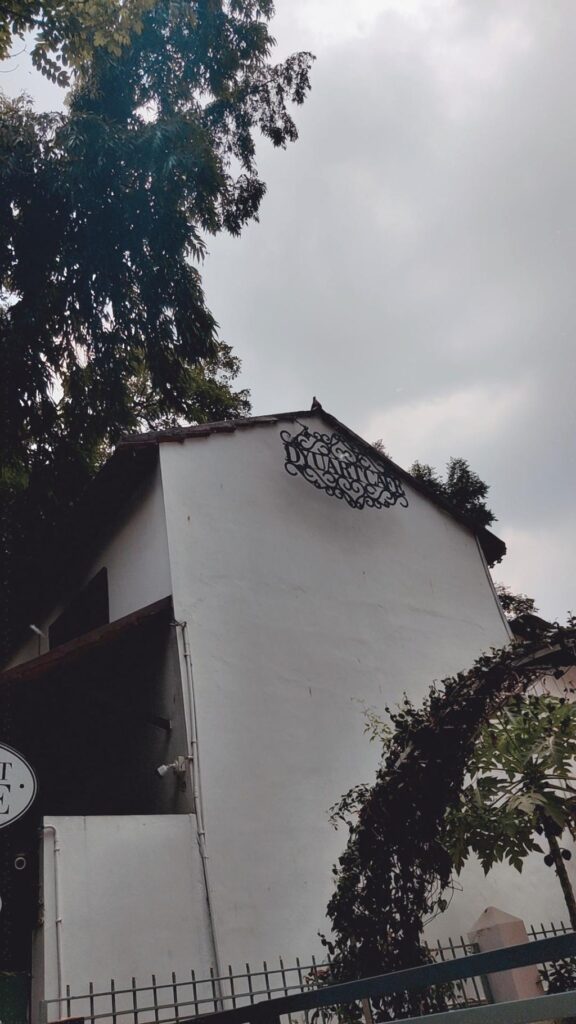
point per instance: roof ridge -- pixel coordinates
(136, 454)
(178, 433)
(494, 548)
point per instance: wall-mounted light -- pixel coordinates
(178, 767)
(40, 634)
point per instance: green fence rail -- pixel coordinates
(303, 992)
(417, 979)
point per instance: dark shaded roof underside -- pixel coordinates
(68, 653)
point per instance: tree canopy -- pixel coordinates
(105, 209)
(462, 488)
(104, 214)
(513, 604)
(520, 789)
(66, 33)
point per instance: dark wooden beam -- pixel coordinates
(77, 648)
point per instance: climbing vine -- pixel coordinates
(395, 873)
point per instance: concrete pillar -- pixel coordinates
(494, 929)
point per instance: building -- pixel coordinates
(232, 597)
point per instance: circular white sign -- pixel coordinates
(17, 785)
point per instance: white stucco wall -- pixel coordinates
(136, 557)
(128, 889)
(299, 609)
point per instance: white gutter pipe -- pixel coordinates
(194, 759)
(57, 914)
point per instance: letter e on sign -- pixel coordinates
(17, 785)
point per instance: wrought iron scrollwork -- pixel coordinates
(334, 464)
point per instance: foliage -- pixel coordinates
(102, 210)
(522, 768)
(379, 445)
(462, 488)
(67, 32)
(514, 605)
(561, 977)
(396, 871)
(520, 787)
(104, 213)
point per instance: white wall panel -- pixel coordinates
(300, 609)
(131, 901)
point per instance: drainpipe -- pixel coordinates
(57, 915)
(194, 760)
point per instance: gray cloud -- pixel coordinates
(416, 254)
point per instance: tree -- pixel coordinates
(380, 447)
(67, 32)
(396, 870)
(103, 209)
(462, 488)
(520, 788)
(514, 605)
(104, 213)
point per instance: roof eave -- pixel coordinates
(137, 454)
(492, 546)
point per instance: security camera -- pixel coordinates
(163, 768)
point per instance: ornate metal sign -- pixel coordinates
(334, 464)
(17, 785)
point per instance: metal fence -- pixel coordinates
(547, 932)
(338, 1003)
(170, 1000)
(466, 991)
(400, 994)
(544, 932)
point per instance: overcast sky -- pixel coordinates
(415, 262)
